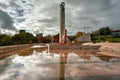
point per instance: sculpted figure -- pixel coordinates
(62, 5)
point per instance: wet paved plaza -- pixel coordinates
(60, 65)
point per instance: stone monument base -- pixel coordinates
(56, 46)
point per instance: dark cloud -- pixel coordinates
(8, 3)
(98, 13)
(6, 21)
(79, 13)
(3, 5)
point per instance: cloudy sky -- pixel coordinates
(42, 16)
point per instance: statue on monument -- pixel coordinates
(62, 5)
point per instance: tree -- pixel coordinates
(105, 31)
(5, 40)
(23, 38)
(100, 35)
(16, 39)
(56, 38)
(79, 34)
(41, 39)
(26, 38)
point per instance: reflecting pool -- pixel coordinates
(59, 65)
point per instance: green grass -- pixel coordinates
(107, 38)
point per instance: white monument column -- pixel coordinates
(62, 21)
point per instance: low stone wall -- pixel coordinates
(72, 47)
(7, 50)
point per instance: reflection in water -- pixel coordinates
(85, 55)
(63, 60)
(89, 56)
(104, 58)
(29, 51)
(55, 65)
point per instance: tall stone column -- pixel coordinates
(62, 21)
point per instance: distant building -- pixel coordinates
(115, 32)
(39, 35)
(22, 31)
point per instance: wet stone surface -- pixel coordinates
(41, 65)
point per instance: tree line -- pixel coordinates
(26, 38)
(22, 38)
(101, 35)
(104, 34)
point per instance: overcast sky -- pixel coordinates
(38, 16)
